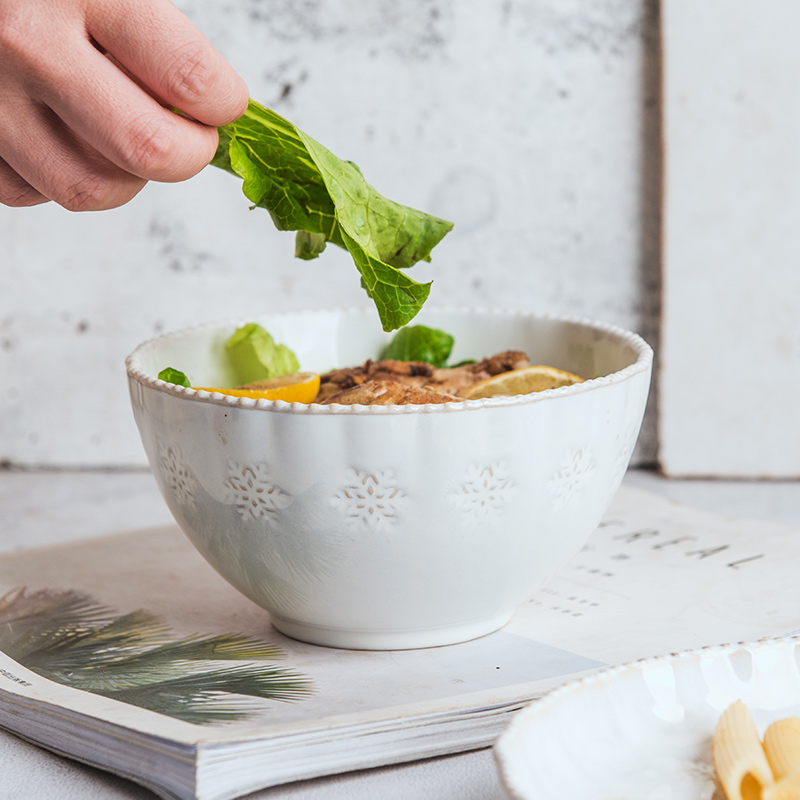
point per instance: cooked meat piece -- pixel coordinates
(454, 380)
(449, 380)
(413, 373)
(338, 380)
(388, 393)
(406, 371)
(503, 362)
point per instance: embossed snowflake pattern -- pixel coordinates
(256, 496)
(484, 492)
(569, 481)
(370, 499)
(177, 476)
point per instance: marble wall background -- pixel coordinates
(532, 124)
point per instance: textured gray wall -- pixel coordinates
(533, 125)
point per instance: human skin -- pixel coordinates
(86, 88)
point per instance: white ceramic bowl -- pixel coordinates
(388, 527)
(643, 730)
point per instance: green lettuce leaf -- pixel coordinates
(418, 343)
(254, 355)
(171, 375)
(307, 189)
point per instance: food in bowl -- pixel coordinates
(412, 370)
(747, 767)
(391, 526)
(400, 382)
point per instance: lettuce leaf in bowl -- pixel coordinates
(172, 375)
(254, 355)
(307, 189)
(420, 343)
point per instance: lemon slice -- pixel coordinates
(521, 381)
(299, 387)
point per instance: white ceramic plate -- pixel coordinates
(642, 731)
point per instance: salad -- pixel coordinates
(412, 369)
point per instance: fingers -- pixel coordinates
(85, 91)
(159, 46)
(58, 167)
(16, 192)
(103, 107)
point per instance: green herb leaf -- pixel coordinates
(307, 189)
(254, 355)
(175, 376)
(418, 343)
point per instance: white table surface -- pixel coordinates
(41, 508)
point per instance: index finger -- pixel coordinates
(164, 51)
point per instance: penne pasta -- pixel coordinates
(782, 747)
(739, 758)
(786, 789)
(747, 768)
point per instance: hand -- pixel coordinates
(85, 92)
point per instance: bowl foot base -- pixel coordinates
(403, 639)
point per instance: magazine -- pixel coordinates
(130, 653)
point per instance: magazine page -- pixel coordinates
(658, 577)
(157, 576)
(655, 577)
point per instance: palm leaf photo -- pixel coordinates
(69, 638)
